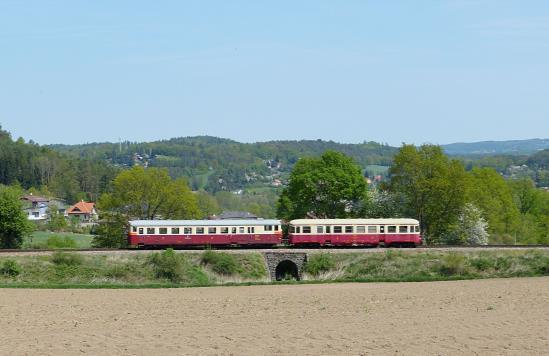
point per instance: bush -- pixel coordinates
(167, 265)
(221, 263)
(482, 263)
(318, 263)
(58, 242)
(66, 259)
(10, 268)
(452, 264)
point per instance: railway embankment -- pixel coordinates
(65, 269)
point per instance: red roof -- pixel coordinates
(81, 208)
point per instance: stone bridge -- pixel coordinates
(283, 265)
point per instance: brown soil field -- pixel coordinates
(484, 317)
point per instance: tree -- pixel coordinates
(470, 228)
(331, 186)
(150, 193)
(432, 186)
(13, 222)
(207, 204)
(490, 193)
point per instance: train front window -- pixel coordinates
(337, 229)
(292, 229)
(163, 231)
(372, 229)
(306, 229)
(140, 231)
(348, 229)
(187, 230)
(360, 229)
(403, 229)
(134, 229)
(320, 229)
(150, 231)
(417, 228)
(298, 229)
(391, 229)
(199, 230)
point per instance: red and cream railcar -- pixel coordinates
(354, 232)
(204, 232)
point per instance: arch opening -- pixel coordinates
(286, 270)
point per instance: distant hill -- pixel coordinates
(512, 147)
(215, 164)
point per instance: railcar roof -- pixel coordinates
(242, 222)
(399, 221)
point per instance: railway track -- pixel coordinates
(330, 249)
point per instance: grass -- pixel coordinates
(64, 269)
(52, 240)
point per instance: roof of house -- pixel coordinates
(81, 208)
(35, 198)
(233, 215)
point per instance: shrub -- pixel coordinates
(58, 242)
(67, 259)
(167, 265)
(452, 264)
(221, 263)
(318, 263)
(481, 263)
(10, 268)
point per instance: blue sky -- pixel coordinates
(388, 71)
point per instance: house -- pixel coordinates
(85, 212)
(37, 208)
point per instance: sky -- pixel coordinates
(350, 71)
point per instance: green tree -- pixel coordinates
(331, 186)
(150, 193)
(490, 193)
(433, 188)
(57, 221)
(207, 204)
(13, 222)
(112, 231)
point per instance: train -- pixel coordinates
(269, 233)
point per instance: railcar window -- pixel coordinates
(306, 229)
(360, 229)
(241, 230)
(163, 231)
(372, 229)
(224, 230)
(199, 230)
(337, 230)
(292, 229)
(233, 230)
(391, 229)
(134, 229)
(402, 229)
(212, 230)
(319, 229)
(348, 229)
(175, 231)
(187, 230)
(328, 229)
(298, 229)
(140, 231)
(382, 229)
(150, 231)
(268, 227)
(276, 227)
(251, 230)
